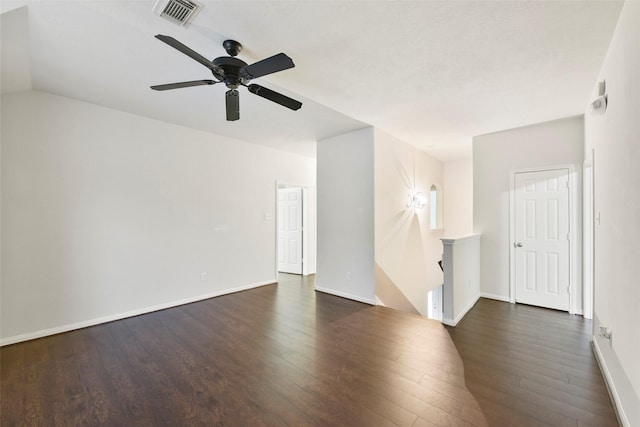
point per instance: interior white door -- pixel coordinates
(542, 238)
(290, 230)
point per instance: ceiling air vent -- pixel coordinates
(180, 12)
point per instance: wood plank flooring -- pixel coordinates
(284, 355)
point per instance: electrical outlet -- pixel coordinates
(203, 276)
(348, 275)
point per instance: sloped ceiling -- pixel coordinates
(431, 73)
(14, 51)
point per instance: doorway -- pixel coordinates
(290, 229)
(541, 238)
(434, 304)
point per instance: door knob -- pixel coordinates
(517, 245)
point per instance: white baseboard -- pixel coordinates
(625, 400)
(454, 322)
(506, 299)
(346, 295)
(105, 319)
(449, 322)
(495, 297)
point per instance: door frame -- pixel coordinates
(308, 227)
(300, 217)
(573, 211)
(588, 234)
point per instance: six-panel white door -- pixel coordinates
(542, 238)
(290, 230)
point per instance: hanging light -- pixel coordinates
(417, 200)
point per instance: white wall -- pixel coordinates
(105, 213)
(406, 249)
(458, 197)
(345, 215)
(615, 139)
(309, 232)
(559, 142)
(461, 290)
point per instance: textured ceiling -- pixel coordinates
(431, 73)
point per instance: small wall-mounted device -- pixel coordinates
(604, 332)
(599, 105)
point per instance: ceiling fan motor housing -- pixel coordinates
(231, 67)
(232, 47)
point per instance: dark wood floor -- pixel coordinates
(285, 355)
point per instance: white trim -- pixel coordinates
(587, 236)
(454, 322)
(97, 321)
(305, 231)
(345, 295)
(449, 322)
(495, 297)
(275, 230)
(573, 210)
(439, 204)
(616, 392)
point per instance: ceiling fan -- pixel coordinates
(234, 72)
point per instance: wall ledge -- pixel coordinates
(457, 239)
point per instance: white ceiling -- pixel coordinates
(431, 73)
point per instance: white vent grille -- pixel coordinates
(180, 12)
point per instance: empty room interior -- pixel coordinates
(358, 213)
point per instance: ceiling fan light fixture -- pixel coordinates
(181, 12)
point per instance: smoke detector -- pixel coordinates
(180, 12)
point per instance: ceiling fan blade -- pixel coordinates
(269, 65)
(184, 84)
(233, 105)
(189, 52)
(276, 97)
